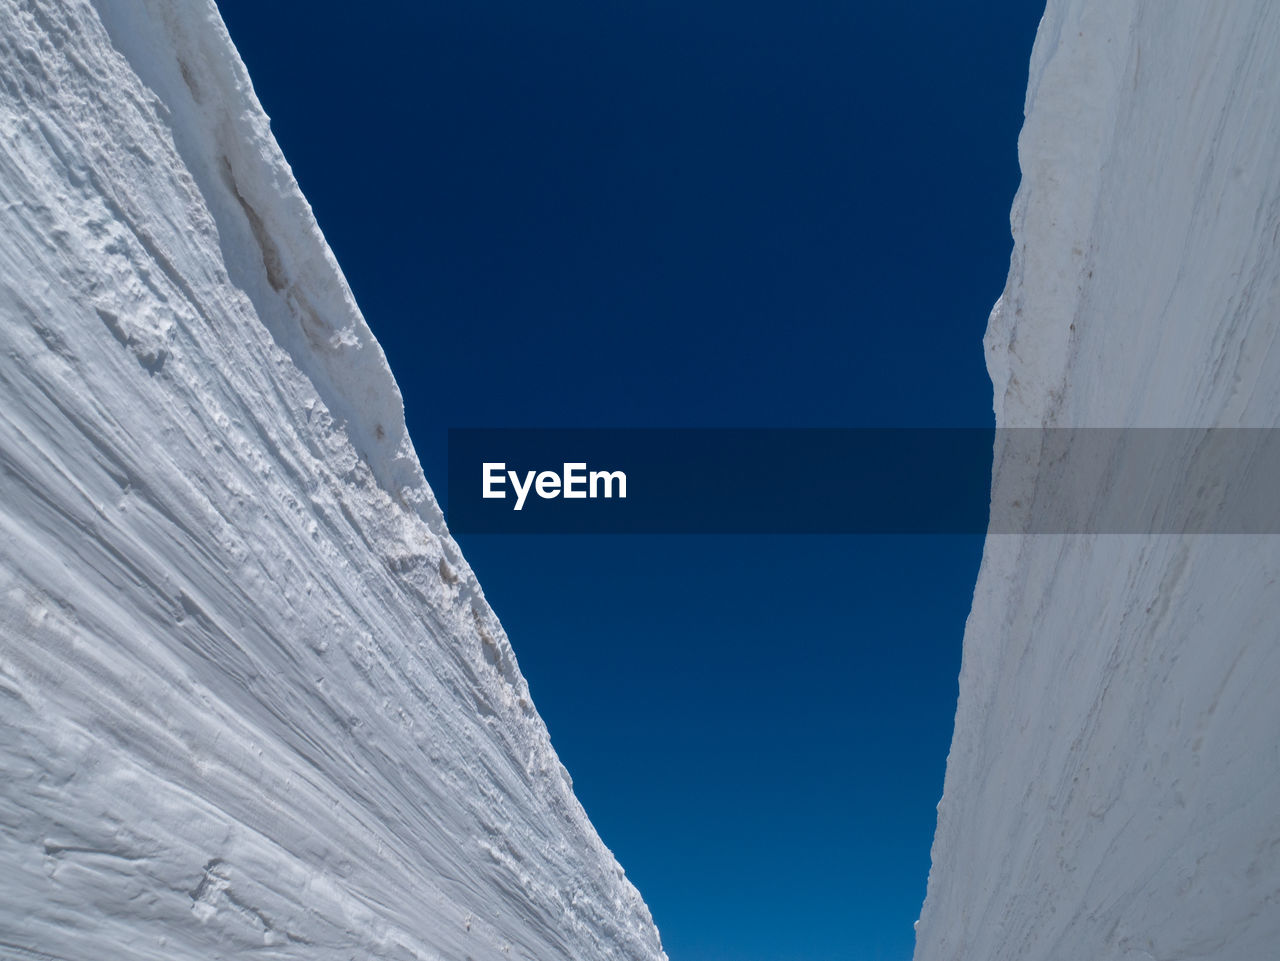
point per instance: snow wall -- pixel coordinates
(1113, 787)
(252, 699)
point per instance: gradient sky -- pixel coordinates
(702, 213)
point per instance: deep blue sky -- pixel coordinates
(701, 213)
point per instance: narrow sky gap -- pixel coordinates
(709, 215)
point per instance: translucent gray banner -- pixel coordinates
(866, 480)
(1136, 481)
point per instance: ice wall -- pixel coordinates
(252, 699)
(1113, 787)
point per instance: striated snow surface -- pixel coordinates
(1113, 787)
(252, 700)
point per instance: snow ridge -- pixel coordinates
(253, 697)
(1111, 786)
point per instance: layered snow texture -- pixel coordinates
(1113, 787)
(252, 699)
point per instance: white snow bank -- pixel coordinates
(1113, 784)
(252, 696)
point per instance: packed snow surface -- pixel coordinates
(1113, 788)
(252, 698)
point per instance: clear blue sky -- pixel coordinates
(702, 213)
